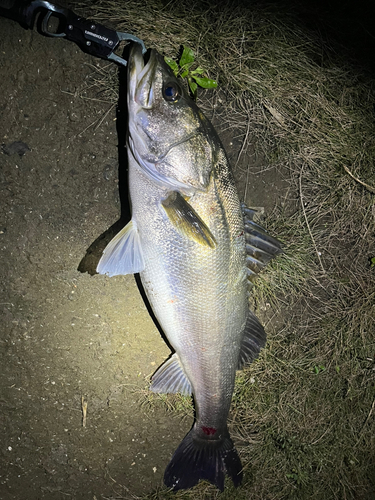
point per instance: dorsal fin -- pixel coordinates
(253, 340)
(261, 248)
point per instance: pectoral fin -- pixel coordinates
(123, 254)
(186, 220)
(170, 377)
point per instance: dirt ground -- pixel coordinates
(66, 334)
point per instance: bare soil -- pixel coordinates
(65, 334)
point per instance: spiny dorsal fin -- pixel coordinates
(186, 220)
(261, 248)
(170, 378)
(123, 254)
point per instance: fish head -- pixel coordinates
(168, 135)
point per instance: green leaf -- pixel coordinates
(187, 57)
(193, 87)
(198, 71)
(206, 83)
(182, 69)
(319, 369)
(172, 64)
(187, 65)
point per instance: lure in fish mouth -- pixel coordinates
(196, 248)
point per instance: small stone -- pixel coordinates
(16, 147)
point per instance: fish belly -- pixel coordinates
(198, 293)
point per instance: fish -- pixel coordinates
(196, 249)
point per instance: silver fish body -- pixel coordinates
(190, 244)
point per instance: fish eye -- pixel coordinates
(172, 92)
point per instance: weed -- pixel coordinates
(195, 76)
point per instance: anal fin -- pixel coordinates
(186, 220)
(171, 378)
(123, 254)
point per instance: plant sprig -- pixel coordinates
(194, 77)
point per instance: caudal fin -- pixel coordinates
(207, 459)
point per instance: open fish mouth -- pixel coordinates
(141, 74)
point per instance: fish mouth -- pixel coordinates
(141, 74)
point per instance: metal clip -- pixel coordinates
(92, 37)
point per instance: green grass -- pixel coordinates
(303, 414)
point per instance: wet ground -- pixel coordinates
(68, 338)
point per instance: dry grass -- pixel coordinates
(303, 413)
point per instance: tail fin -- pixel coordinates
(198, 458)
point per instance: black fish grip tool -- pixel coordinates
(56, 21)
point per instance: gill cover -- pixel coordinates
(169, 138)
